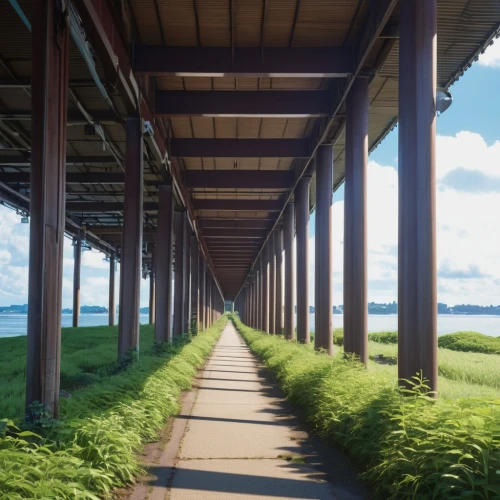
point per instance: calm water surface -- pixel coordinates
(15, 324)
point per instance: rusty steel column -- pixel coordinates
(259, 294)
(288, 232)
(179, 274)
(195, 284)
(76, 279)
(210, 304)
(278, 248)
(324, 262)
(186, 238)
(49, 99)
(152, 289)
(355, 242)
(302, 230)
(417, 295)
(272, 283)
(131, 254)
(112, 304)
(203, 290)
(164, 252)
(265, 288)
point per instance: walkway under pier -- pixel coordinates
(236, 438)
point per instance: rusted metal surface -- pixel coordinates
(279, 61)
(240, 148)
(288, 234)
(288, 103)
(112, 303)
(417, 293)
(238, 205)
(77, 242)
(271, 255)
(278, 249)
(232, 179)
(186, 237)
(179, 274)
(131, 250)
(323, 331)
(203, 293)
(195, 283)
(152, 288)
(49, 96)
(355, 222)
(302, 261)
(265, 289)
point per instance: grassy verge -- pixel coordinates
(410, 446)
(88, 355)
(93, 450)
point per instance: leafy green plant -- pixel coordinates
(384, 337)
(103, 425)
(408, 444)
(470, 342)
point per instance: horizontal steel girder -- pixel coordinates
(103, 206)
(235, 233)
(73, 178)
(240, 148)
(238, 205)
(21, 161)
(219, 62)
(212, 223)
(116, 230)
(276, 103)
(74, 116)
(239, 179)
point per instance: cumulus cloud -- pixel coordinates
(491, 56)
(468, 236)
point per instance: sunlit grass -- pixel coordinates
(94, 448)
(410, 446)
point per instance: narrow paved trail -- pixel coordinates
(236, 438)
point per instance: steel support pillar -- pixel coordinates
(265, 288)
(272, 283)
(278, 248)
(112, 303)
(355, 217)
(288, 233)
(417, 295)
(50, 49)
(302, 229)
(203, 293)
(163, 264)
(259, 296)
(152, 289)
(323, 337)
(210, 304)
(76, 279)
(195, 285)
(186, 238)
(179, 274)
(131, 254)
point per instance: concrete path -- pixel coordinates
(237, 439)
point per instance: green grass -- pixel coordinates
(103, 425)
(459, 341)
(87, 355)
(409, 445)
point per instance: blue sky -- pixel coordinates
(468, 202)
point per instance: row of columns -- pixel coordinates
(417, 298)
(198, 300)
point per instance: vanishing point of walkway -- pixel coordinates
(235, 438)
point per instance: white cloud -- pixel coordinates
(491, 56)
(468, 234)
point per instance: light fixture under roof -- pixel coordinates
(444, 100)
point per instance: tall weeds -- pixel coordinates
(94, 448)
(408, 445)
